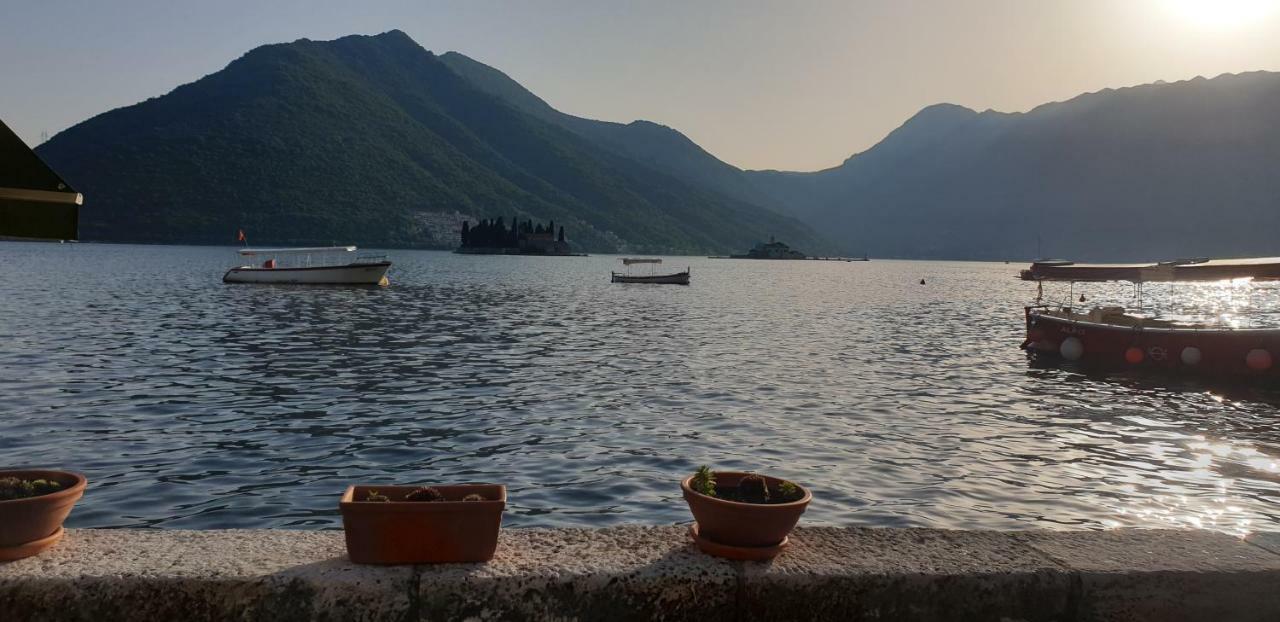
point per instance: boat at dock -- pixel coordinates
(1114, 337)
(678, 278)
(322, 265)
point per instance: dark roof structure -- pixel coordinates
(34, 201)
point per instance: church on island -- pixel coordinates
(772, 250)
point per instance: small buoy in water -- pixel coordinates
(1133, 355)
(1081, 297)
(922, 281)
(1258, 359)
(1071, 349)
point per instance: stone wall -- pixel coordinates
(644, 572)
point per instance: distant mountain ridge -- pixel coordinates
(1158, 171)
(1165, 170)
(372, 139)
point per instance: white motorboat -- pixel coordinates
(323, 265)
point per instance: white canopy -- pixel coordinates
(250, 252)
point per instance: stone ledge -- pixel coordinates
(644, 572)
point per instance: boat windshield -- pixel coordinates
(310, 257)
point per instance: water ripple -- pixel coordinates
(193, 404)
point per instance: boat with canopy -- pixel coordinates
(678, 278)
(1115, 337)
(320, 265)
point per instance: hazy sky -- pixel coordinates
(791, 85)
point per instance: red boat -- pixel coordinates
(1109, 337)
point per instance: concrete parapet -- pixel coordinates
(646, 572)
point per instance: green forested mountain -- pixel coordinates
(374, 140)
(657, 146)
(1156, 171)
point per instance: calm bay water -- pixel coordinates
(194, 404)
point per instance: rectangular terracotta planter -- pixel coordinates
(422, 532)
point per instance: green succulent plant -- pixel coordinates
(704, 481)
(376, 496)
(788, 491)
(753, 488)
(424, 493)
(15, 488)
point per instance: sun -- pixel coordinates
(1223, 14)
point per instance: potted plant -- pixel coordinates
(33, 504)
(422, 524)
(742, 515)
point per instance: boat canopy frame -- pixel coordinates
(315, 250)
(1199, 269)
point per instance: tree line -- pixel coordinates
(496, 234)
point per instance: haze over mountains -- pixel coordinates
(377, 141)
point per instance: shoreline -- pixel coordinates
(646, 572)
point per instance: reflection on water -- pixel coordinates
(194, 404)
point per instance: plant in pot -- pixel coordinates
(742, 515)
(422, 524)
(33, 504)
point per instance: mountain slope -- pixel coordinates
(364, 139)
(657, 146)
(1157, 171)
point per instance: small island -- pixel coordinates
(493, 237)
(778, 250)
(772, 250)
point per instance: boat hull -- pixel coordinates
(350, 274)
(1243, 353)
(679, 278)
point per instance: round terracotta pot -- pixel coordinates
(743, 524)
(27, 521)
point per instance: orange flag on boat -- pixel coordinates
(240, 235)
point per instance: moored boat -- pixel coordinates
(678, 278)
(326, 265)
(1112, 337)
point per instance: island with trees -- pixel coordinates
(494, 237)
(778, 250)
(772, 250)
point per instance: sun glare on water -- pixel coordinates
(1223, 14)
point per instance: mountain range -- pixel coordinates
(372, 139)
(375, 140)
(1159, 171)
